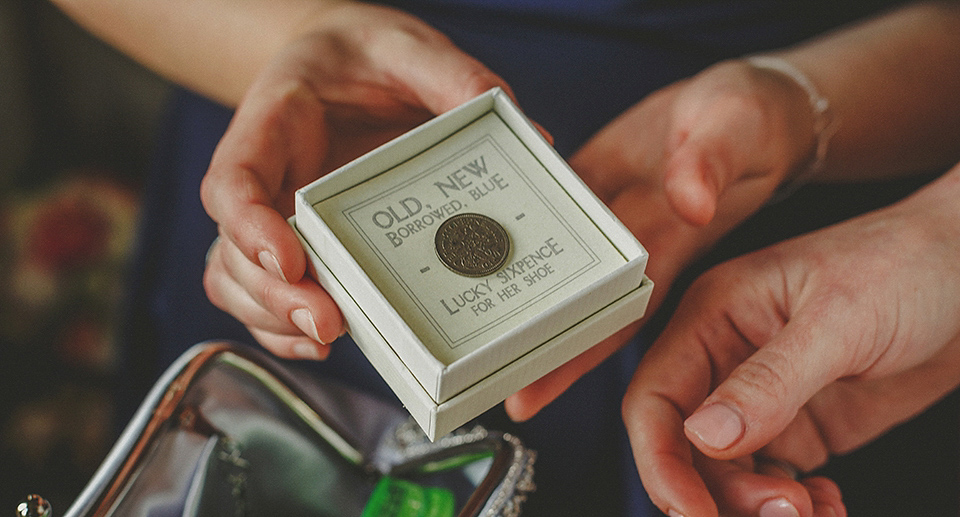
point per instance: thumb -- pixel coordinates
(693, 181)
(763, 394)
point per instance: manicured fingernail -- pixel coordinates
(307, 351)
(304, 321)
(717, 425)
(674, 513)
(779, 507)
(269, 262)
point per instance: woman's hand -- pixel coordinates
(805, 349)
(681, 169)
(357, 77)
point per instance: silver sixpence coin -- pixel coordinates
(472, 244)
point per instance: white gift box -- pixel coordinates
(452, 343)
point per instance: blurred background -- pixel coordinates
(77, 126)
(77, 122)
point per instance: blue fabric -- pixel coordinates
(573, 66)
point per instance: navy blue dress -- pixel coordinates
(573, 66)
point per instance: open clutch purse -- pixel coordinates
(228, 431)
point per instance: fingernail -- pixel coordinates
(717, 425)
(269, 262)
(779, 507)
(674, 513)
(304, 321)
(307, 351)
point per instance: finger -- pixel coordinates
(738, 490)
(275, 143)
(701, 155)
(543, 132)
(304, 305)
(527, 402)
(663, 459)
(776, 468)
(279, 336)
(669, 383)
(760, 398)
(235, 199)
(692, 182)
(826, 497)
(717, 142)
(226, 294)
(697, 347)
(802, 443)
(291, 347)
(706, 153)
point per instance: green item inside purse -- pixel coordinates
(398, 498)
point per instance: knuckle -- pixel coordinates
(721, 278)
(208, 192)
(738, 103)
(271, 296)
(766, 379)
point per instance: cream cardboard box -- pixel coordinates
(469, 260)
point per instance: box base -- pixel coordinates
(438, 419)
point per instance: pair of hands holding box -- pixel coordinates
(810, 347)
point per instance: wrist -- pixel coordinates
(821, 122)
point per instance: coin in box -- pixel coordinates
(472, 245)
